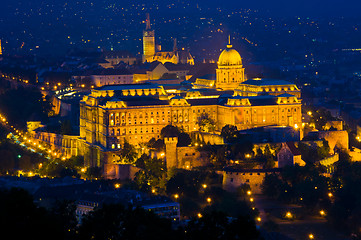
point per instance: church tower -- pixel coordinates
(1, 50)
(148, 42)
(230, 71)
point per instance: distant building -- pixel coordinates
(289, 155)
(151, 55)
(111, 77)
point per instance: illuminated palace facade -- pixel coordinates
(136, 113)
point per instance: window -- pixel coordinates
(231, 179)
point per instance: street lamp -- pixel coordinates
(310, 236)
(209, 200)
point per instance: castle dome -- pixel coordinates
(229, 57)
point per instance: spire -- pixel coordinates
(175, 45)
(229, 42)
(148, 22)
(1, 51)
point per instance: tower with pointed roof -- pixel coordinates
(148, 41)
(230, 71)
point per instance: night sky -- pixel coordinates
(311, 8)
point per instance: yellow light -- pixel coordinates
(204, 186)
(296, 126)
(162, 154)
(330, 194)
(40, 165)
(31, 174)
(259, 219)
(83, 85)
(49, 151)
(249, 192)
(83, 170)
(117, 185)
(248, 155)
(199, 215)
(42, 88)
(309, 113)
(63, 158)
(322, 213)
(153, 190)
(59, 84)
(209, 200)
(289, 215)
(310, 236)
(251, 200)
(176, 196)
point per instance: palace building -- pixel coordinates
(111, 114)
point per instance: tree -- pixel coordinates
(128, 153)
(156, 144)
(206, 123)
(117, 222)
(184, 139)
(217, 225)
(20, 218)
(93, 173)
(152, 173)
(272, 186)
(230, 133)
(170, 131)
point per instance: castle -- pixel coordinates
(138, 112)
(151, 55)
(135, 113)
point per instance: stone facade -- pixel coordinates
(235, 178)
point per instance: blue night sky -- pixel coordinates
(304, 7)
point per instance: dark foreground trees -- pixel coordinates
(21, 218)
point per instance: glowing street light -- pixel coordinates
(322, 213)
(249, 193)
(204, 186)
(117, 185)
(209, 200)
(288, 215)
(199, 215)
(310, 236)
(259, 219)
(330, 194)
(176, 196)
(251, 200)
